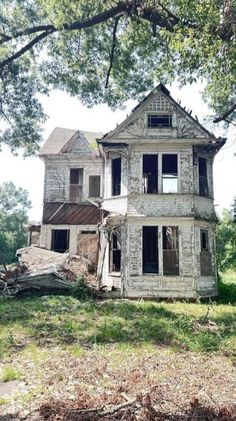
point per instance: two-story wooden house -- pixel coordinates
(157, 218)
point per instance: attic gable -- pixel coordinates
(159, 102)
(77, 144)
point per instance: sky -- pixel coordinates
(64, 111)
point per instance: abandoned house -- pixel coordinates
(139, 202)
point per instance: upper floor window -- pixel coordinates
(116, 176)
(169, 173)
(150, 173)
(94, 186)
(203, 182)
(76, 184)
(159, 120)
(168, 180)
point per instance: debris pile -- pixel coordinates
(44, 270)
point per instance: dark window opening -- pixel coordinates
(204, 240)
(170, 250)
(150, 173)
(159, 120)
(205, 254)
(150, 250)
(203, 183)
(169, 173)
(94, 186)
(116, 176)
(76, 185)
(60, 240)
(115, 253)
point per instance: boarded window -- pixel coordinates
(87, 245)
(94, 186)
(159, 120)
(169, 173)
(203, 183)
(150, 250)
(76, 185)
(115, 253)
(116, 176)
(60, 240)
(170, 250)
(205, 254)
(150, 173)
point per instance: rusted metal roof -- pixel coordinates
(57, 213)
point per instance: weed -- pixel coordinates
(9, 373)
(81, 289)
(3, 401)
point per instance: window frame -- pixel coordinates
(79, 185)
(203, 180)
(113, 249)
(89, 178)
(160, 115)
(116, 188)
(160, 155)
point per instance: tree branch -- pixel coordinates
(225, 115)
(112, 50)
(23, 50)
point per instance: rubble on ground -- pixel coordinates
(41, 269)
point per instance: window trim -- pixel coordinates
(94, 175)
(80, 185)
(200, 177)
(159, 155)
(111, 271)
(160, 114)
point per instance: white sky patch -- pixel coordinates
(64, 111)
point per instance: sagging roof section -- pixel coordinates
(60, 138)
(57, 213)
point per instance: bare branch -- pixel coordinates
(23, 50)
(112, 50)
(225, 115)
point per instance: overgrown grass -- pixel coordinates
(58, 320)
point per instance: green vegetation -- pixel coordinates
(14, 204)
(65, 321)
(226, 240)
(10, 373)
(100, 51)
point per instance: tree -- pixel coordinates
(110, 51)
(14, 204)
(226, 241)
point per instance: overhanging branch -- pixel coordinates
(224, 116)
(112, 50)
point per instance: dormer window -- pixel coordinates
(159, 121)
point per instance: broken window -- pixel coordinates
(115, 253)
(203, 183)
(94, 186)
(169, 173)
(116, 176)
(76, 185)
(150, 250)
(159, 120)
(60, 240)
(170, 250)
(205, 254)
(150, 173)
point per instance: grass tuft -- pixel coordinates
(9, 373)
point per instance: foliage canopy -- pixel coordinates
(110, 51)
(14, 204)
(226, 240)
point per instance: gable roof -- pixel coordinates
(145, 104)
(60, 137)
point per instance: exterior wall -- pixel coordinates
(46, 234)
(57, 175)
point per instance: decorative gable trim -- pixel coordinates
(78, 144)
(159, 101)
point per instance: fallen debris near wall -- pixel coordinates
(44, 270)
